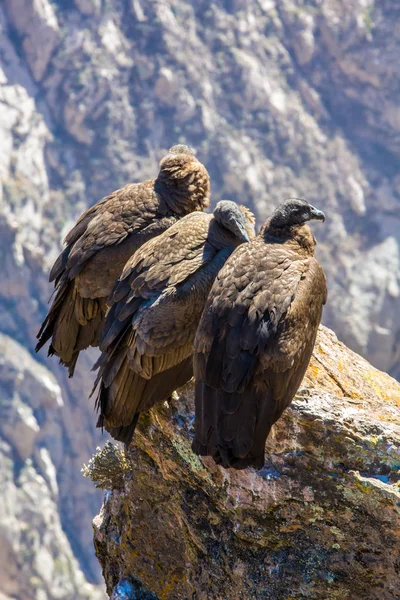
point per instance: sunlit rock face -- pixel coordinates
(321, 520)
(279, 99)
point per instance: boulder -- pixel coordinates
(319, 521)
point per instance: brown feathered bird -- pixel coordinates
(103, 239)
(148, 335)
(256, 337)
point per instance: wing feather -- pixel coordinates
(245, 314)
(261, 319)
(153, 323)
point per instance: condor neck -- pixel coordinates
(300, 235)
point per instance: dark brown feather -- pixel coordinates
(104, 238)
(158, 302)
(149, 392)
(254, 342)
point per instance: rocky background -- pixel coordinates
(288, 98)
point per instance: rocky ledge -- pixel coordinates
(320, 521)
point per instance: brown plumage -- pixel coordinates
(148, 335)
(256, 336)
(103, 239)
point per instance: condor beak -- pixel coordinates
(317, 214)
(243, 232)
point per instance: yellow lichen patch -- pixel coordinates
(372, 378)
(355, 395)
(318, 377)
(313, 371)
(337, 532)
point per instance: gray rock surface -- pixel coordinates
(288, 98)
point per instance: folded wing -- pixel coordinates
(148, 335)
(103, 239)
(252, 348)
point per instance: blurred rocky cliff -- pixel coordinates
(288, 98)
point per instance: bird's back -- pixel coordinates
(253, 345)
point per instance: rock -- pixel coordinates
(36, 24)
(37, 557)
(166, 87)
(301, 23)
(88, 7)
(319, 521)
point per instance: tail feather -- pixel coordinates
(162, 385)
(124, 433)
(114, 397)
(245, 437)
(71, 364)
(89, 334)
(128, 394)
(60, 264)
(206, 419)
(73, 324)
(47, 328)
(116, 323)
(66, 328)
(230, 402)
(112, 367)
(232, 428)
(234, 373)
